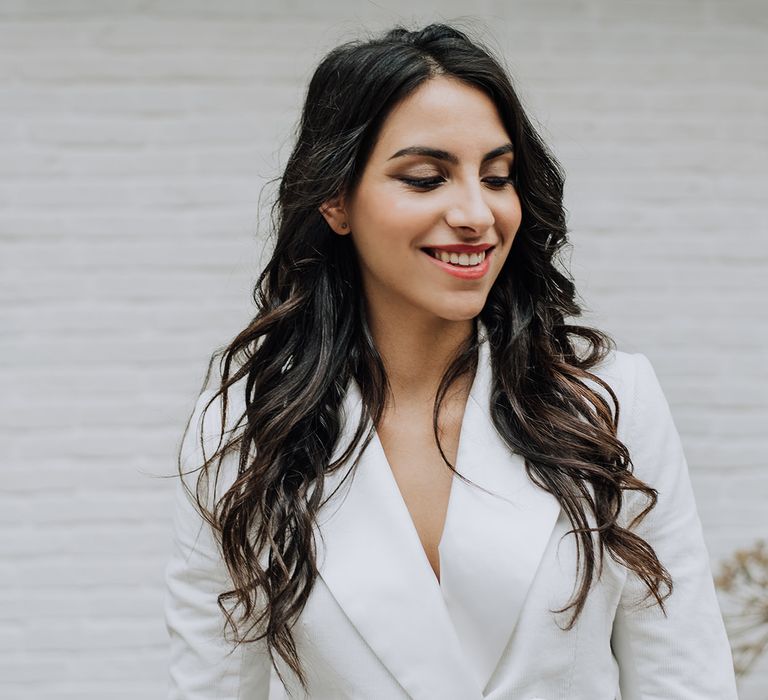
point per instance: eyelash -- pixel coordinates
(430, 183)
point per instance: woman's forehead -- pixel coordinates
(445, 114)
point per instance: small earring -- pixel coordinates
(344, 225)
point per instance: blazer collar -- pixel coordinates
(437, 639)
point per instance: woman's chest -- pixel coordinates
(507, 563)
(423, 478)
(374, 653)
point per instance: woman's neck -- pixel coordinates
(416, 356)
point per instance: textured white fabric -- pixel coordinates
(378, 624)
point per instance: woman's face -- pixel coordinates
(407, 202)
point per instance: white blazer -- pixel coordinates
(378, 624)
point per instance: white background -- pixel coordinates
(135, 138)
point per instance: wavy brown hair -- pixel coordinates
(310, 336)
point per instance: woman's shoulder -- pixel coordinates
(210, 429)
(618, 369)
(646, 424)
(208, 412)
(633, 380)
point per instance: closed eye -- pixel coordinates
(422, 183)
(501, 181)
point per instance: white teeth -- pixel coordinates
(459, 258)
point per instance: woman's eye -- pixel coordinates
(500, 181)
(422, 183)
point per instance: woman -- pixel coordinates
(407, 480)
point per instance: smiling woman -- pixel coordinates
(414, 461)
(454, 193)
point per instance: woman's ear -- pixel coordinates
(334, 212)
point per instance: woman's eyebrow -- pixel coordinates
(440, 154)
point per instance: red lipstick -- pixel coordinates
(466, 272)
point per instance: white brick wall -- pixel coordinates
(135, 137)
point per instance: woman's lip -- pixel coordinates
(467, 273)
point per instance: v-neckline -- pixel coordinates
(440, 581)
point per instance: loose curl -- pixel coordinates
(310, 336)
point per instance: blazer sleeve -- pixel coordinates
(202, 665)
(685, 655)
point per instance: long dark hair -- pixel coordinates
(310, 336)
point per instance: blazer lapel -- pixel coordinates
(371, 559)
(492, 544)
(438, 640)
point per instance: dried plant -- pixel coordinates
(743, 582)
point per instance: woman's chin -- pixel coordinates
(464, 312)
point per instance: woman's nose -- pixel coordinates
(470, 210)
